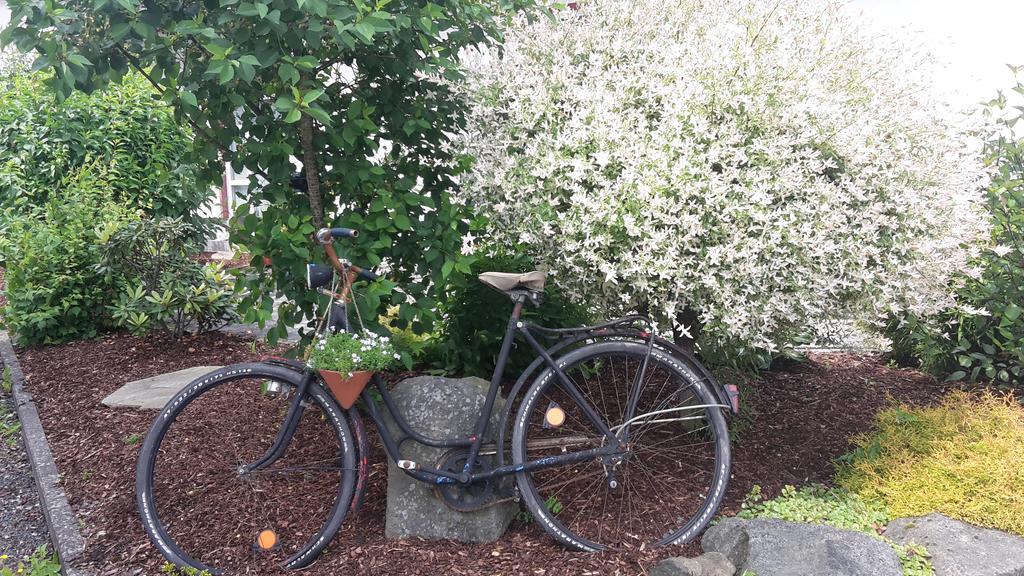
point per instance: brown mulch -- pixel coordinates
(804, 419)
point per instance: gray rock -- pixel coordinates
(961, 549)
(153, 393)
(438, 408)
(715, 564)
(677, 567)
(708, 564)
(777, 548)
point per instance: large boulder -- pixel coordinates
(771, 547)
(960, 549)
(439, 408)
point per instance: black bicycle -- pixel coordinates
(618, 442)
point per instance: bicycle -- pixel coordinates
(619, 442)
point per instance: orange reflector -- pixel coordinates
(555, 416)
(267, 540)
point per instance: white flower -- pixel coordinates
(972, 311)
(1001, 250)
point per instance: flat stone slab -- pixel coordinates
(960, 549)
(154, 392)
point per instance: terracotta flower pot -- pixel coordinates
(346, 389)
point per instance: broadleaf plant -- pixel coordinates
(357, 91)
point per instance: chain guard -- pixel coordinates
(476, 496)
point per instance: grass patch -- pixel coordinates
(132, 439)
(6, 383)
(838, 508)
(963, 458)
(9, 425)
(40, 563)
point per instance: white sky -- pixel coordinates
(976, 38)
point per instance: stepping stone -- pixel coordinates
(960, 549)
(154, 392)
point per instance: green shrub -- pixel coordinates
(40, 563)
(963, 458)
(165, 288)
(143, 148)
(474, 318)
(833, 507)
(983, 337)
(54, 290)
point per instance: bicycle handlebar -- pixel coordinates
(344, 233)
(325, 235)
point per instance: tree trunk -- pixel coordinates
(689, 318)
(309, 166)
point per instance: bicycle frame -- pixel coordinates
(474, 442)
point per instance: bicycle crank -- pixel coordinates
(461, 497)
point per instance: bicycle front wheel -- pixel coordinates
(203, 509)
(666, 482)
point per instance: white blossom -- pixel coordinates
(1001, 250)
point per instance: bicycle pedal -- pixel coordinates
(408, 465)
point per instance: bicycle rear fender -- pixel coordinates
(358, 430)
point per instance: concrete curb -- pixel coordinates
(60, 520)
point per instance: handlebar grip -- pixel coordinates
(367, 275)
(344, 233)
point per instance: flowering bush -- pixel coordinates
(348, 353)
(740, 166)
(982, 337)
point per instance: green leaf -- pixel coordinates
(312, 95)
(227, 72)
(249, 59)
(402, 221)
(306, 63)
(958, 375)
(188, 98)
(319, 115)
(284, 103)
(79, 60)
(288, 73)
(293, 116)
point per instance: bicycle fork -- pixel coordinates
(287, 431)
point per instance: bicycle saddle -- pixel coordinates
(507, 282)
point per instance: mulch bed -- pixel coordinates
(805, 417)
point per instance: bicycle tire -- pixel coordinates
(584, 522)
(157, 489)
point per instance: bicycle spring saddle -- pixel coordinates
(527, 286)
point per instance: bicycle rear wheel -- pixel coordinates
(662, 489)
(203, 511)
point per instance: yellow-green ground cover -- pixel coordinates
(963, 458)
